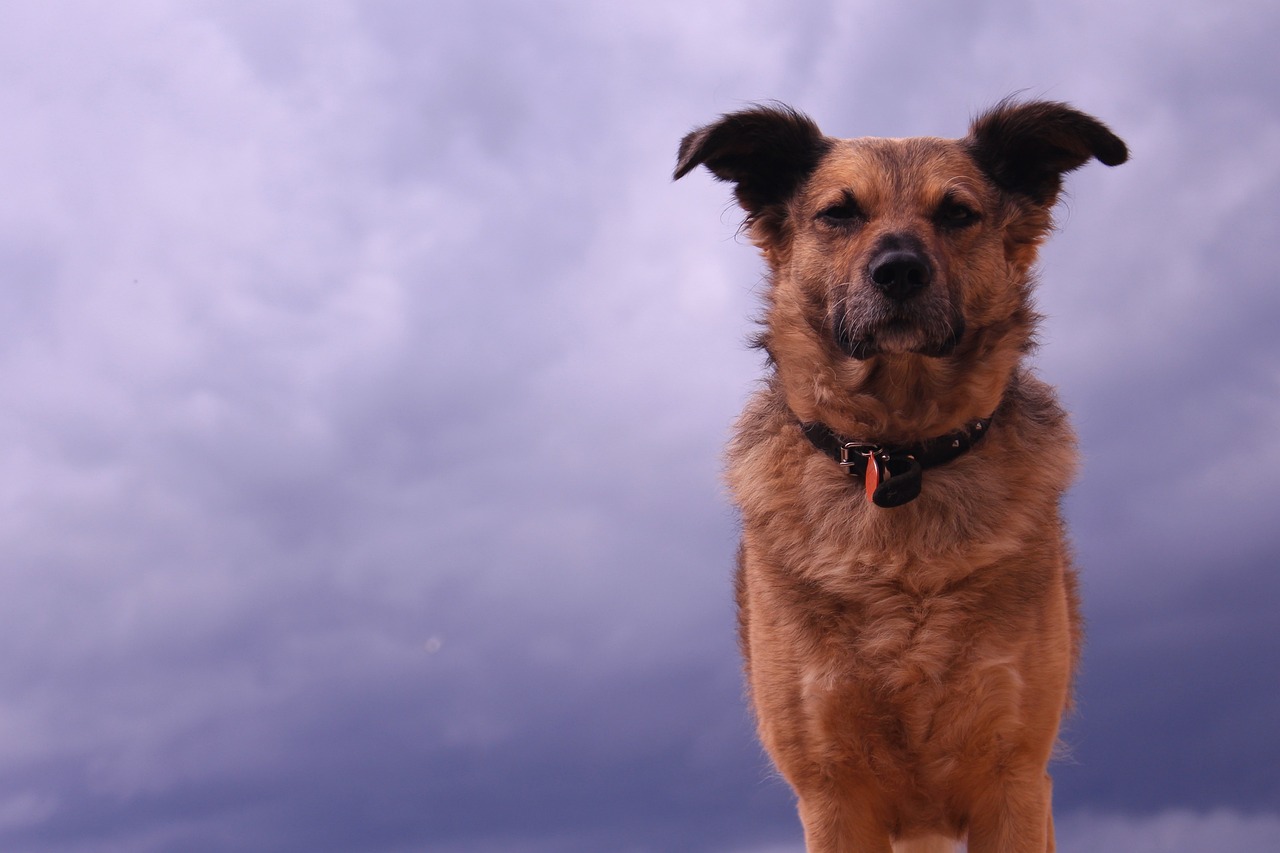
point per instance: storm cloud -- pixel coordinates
(363, 383)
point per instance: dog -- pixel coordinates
(908, 612)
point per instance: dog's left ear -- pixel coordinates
(767, 152)
(1027, 148)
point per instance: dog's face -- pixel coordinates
(911, 254)
(890, 246)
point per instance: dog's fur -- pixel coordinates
(908, 666)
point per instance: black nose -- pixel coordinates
(900, 273)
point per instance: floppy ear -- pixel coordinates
(766, 151)
(1027, 148)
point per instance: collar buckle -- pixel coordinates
(855, 454)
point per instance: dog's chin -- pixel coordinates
(898, 339)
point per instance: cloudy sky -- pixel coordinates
(363, 379)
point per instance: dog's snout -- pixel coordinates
(900, 273)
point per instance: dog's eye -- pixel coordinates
(845, 212)
(954, 214)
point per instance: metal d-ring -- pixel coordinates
(852, 448)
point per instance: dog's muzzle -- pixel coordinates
(898, 306)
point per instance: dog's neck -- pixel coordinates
(899, 399)
(893, 475)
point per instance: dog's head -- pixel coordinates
(907, 254)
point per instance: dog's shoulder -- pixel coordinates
(767, 451)
(1036, 440)
(764, 417)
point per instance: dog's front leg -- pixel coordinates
(841, 824)
(1016, 817)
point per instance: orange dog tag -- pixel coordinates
(872, 476)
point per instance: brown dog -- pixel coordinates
(907, 607)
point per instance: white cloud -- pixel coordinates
(1170, 832)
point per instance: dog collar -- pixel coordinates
(893, 473)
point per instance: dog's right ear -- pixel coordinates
(766, 151)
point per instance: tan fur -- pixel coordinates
(909, 666)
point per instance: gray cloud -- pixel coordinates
(364, 380)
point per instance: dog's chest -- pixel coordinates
(914, 678)
(895, 644)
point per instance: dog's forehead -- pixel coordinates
(876, 167)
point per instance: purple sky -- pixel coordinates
(363, 380)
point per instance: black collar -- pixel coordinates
(893, 473)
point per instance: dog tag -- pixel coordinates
(873, 475)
